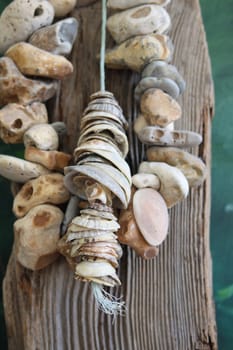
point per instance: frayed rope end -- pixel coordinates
(106, 302)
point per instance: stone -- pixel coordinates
(15, 88)
(144, 180)
(19, 170)
(15, 119)
(140, 20)
(152, 135)
(135, 53)
(57, 38)
(46, 189)
(37, 235)
(41, 136)
(52, 160)
(159, 108)
(63, 7)
(122, 4)
(140, 123)
(130, 235)
(161, 69)
(174, 186)
(193, 168)
(164, 84)
(33, 61)
(21, 18)
(151, 215)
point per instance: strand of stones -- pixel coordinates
(102, 179)
(140, 30)
(33, 62)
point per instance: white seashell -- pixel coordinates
(140, 20)
(173, 184)
(94, 269)
(97, 223)
(21, 18)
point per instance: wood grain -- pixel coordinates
(169, 299)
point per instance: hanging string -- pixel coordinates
(103, 45)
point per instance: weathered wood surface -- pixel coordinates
(169, 299)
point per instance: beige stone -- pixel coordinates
(21, 18)
(47, 188)
(36, 62)
(140, 20)
(173, 184)
(152, 135)
(37, 236)
(20, 170)
(144, 180)
(15, 119)
(41, 136)
(191, 166)
(57, 38)
(136, 52)
(151, 215)
(159, 108)
(123, 4)
(140, 123)
(63, 7)
(15, 88)
(52, 160)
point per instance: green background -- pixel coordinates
(218, 21)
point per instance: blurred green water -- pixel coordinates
(218, 21)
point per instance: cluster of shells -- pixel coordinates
(101, 178)
(34, 42)
(140, 30)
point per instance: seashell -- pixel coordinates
(14, 87)
(72, 183)
(122, 4)
(153, 223)
(95, 192)
(164, 84)
(92, 235)
(98, 246)
(57, 38)
(140, 20)
(135, 53)
(70, 212)
(173, 184)
(20, 170)
(118, 136)
(37, 235)
(21, 18)
(159, 108)
(97, 213)
(63, 7)
(47, 188)
(97, 224)
(144, 180)
(94, 269)
(107, 152)
(52, 160)
(103, 112)
(191, 166)
(33, 61)
(107, 280)
(117, 175)
(15, 119)
(152, 135)
(41, 136)
(161, 69)
(99, 255)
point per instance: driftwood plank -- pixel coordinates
(169, 299)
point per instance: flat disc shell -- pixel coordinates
(151, 215)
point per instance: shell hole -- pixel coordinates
(159, 133)
(27, 193)
(17, 124)
(38, 11)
